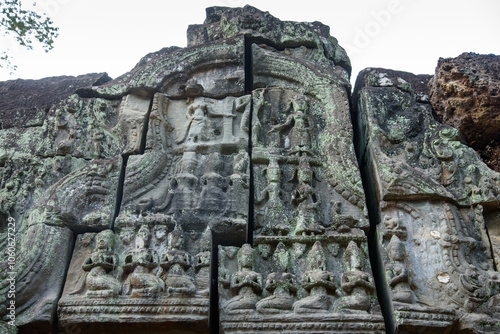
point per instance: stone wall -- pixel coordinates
(237, 186)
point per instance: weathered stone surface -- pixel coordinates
(47, 192)
(308, 267)
(432, 196)
(152, 271)
(195, 169)
(59, 176)
(293, 286)
(30, 108)
(226, 23)
(296, 143)
(217, 67)
(216, 188)
(86, 128)
(465, 93)
(417, 156)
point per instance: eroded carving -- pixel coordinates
(318, 282)
(307, 201)
(297, 126)
(153, 268)
(300, 282)
(142, 264)
(177, 262)
(101, 265)
(288, 150)
(357, 284)
(433, 190)
(397, 273)
(246, 284)
(202, 263)
(281, 283)
(273, 208)
(198, 160)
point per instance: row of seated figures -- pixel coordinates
(145, 273)
(322, 293)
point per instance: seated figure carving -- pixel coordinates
(357, 284)
(100, 264)
(280, 283)
(246, 284)
(397, 275)
(319, 282)
(176, 263)
(141, 263)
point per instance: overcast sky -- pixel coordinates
(112, 35)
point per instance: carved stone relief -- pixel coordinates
(196, 166)
(295, 189)
(149, 268)
(308, 266)
(192, 179)
(287, 284)
(197, 151)
(432, 191)
(57, 178)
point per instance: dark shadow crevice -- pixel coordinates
(119, 190)
(213, 312)
(492, 218)
(368, 180)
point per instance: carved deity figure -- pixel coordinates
(396, 272)
(393, 223)
(97, 144)
(319, 282)
(276, 221)
(356, 283)
(160, 232)
(298, 140)
(127, 234)
(195, 129)
(242, 104)
(141, 263)
(238, 194)
(202, 263)
(246, 284)
(444, 151)
(100, 264)
(212, 197)
(280, 283)
(66, 133)
(256, 124)
(307, 201)
(181, 195)
(175, 261)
